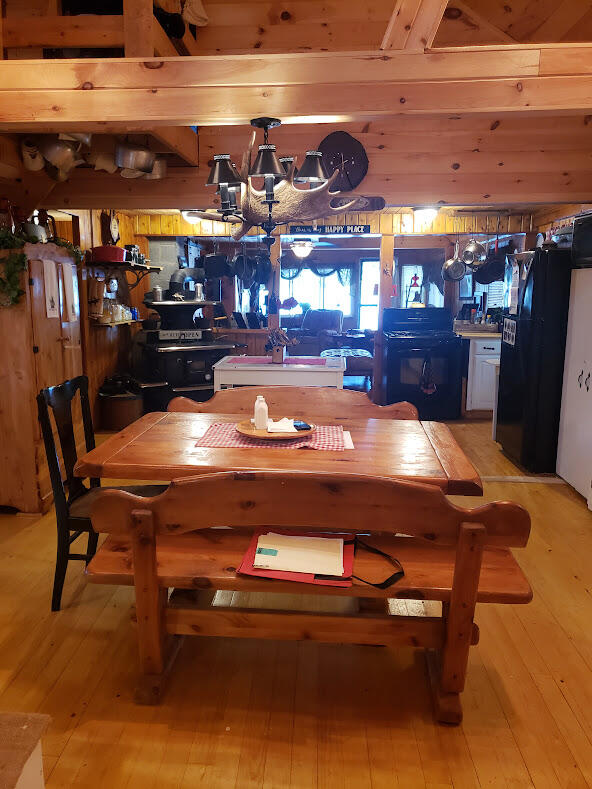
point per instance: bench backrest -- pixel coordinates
(299, 401)
(315, 501)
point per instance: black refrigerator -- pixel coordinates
(536, 301)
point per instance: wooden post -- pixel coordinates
(459, 619)
(137, 28)
(149, 597)
(385, 289)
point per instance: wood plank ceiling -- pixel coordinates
(497, 126)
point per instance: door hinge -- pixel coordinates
(35, 349)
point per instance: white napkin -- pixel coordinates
(284, 425)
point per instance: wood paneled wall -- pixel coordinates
(105, 349)
(389, 222)
(558, 216)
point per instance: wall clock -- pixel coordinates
(340, 148)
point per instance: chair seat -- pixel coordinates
(208, 560)
(81, 507)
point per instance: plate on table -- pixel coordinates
(247, 428)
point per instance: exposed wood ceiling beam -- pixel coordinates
(185, 188)
(413, 24)
(561, 20)
(182, 140)
(138, 28)
(327, 87)
(64, 31)
(11, 165)
(465, 16)
(162, 44)
(33, 191)
(345, 68)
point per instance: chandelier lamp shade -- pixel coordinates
(312, 170)
(225, 176)
(267, 163)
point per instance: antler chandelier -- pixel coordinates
(280, 201)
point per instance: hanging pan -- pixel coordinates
(454, 268)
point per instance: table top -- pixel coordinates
(161, 446)
(309, 363)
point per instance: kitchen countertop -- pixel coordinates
(480, 335)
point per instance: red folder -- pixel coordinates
(246, 566)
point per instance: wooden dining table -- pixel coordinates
(162, 446)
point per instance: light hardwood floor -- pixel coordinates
(271, 714)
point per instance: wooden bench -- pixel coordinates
(298, 401)
(454, 555)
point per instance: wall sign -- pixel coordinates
(328, 230)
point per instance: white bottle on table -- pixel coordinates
(261, 413)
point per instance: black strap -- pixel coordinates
(357, 542)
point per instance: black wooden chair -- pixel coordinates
(73, 509)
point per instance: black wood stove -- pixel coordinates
(176, 358)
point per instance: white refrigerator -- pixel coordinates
(574, 453)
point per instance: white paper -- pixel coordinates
(347, 440)
(284, 425)
(300, 554)
(71, 293)
(50, 280)
(514, 289)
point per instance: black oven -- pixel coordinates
(423, 362)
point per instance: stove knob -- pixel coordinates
(208, 376)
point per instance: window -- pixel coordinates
(369, 284)
(321, 293)
(495, 293)
(412, 279)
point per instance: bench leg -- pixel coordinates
(459, 615)
(447, 706)
(447, 675)
(157, 652)
(150, 687)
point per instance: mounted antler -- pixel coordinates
(293, 204)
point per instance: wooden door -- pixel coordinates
(47, 332)
(57, 352)
(70, 321)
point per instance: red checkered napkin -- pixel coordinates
(225, 434)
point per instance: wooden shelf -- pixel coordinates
(115, 323)
(140, 270)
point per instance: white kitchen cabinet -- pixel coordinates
(574, 450)
(481, 378)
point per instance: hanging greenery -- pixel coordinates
(13, 264)
(10, 279)
(18, 239)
